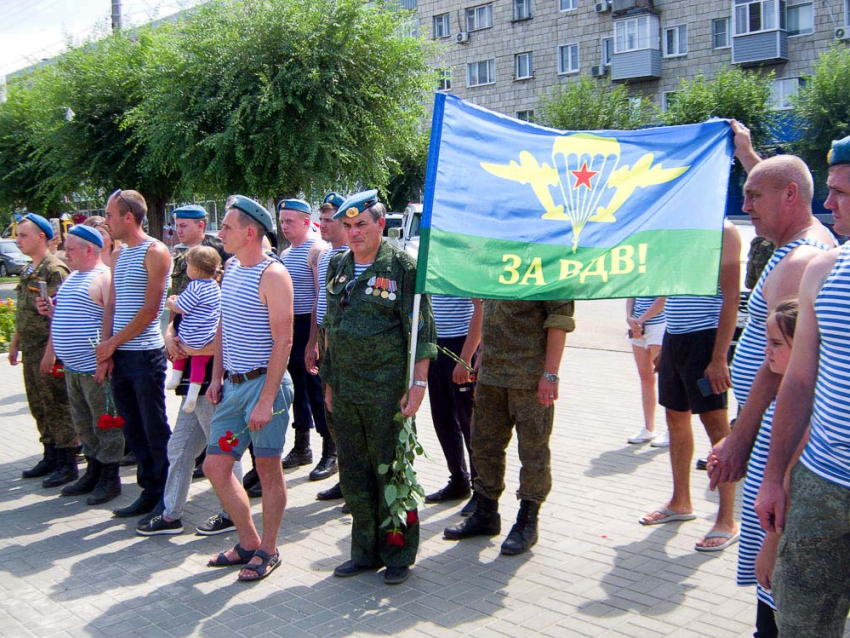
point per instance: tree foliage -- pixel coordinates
(589, 104)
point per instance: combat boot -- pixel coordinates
(327, 465)
(484, 522)
(108, 485)
(45, 466)
(87, 481)
(523, 534)
(65, 469)
(301, 454)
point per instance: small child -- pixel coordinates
(200, 307)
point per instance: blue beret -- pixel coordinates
(190, 211)
(356, 204)
(840, 152)
(88, 233)
(334, 199)
(253, 210)
(295, 204)
(43, 225)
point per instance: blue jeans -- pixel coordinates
(138, 387)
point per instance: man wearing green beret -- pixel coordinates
(370, 292)
(46, 393)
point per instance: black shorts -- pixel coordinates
(684, 358)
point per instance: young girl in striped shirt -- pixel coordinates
(199, 307)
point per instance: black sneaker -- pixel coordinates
(216, 525)
(158, 526)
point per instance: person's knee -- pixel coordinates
(218, 468)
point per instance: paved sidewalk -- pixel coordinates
(70, 570)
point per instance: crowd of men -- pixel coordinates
(325, 331)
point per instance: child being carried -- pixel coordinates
(200, 307)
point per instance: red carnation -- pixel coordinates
(58, 371)
(395, 539)
(104, 422)
(234, 442)
(224, 444)
(412, 517)
(118, 421)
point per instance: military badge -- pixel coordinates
(352, 212)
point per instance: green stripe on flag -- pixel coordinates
(649, 264)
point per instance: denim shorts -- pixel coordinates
(234, 413)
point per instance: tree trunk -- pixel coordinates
(156, 216)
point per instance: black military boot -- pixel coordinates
(45, 466)
(327, 465)
(108, 485)
(65, 470)
(87, 481)
(484, 522)
(301, 454)
(523, 534)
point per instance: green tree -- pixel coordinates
(589, 104)
(823, 109)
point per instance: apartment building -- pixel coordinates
(507, 54)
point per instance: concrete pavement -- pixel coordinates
(70, 570)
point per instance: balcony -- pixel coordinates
(644, 64)
(763, 47)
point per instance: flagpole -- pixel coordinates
(414, 334)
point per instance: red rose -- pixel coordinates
(224, 444)
(395, 539)
(412, 517)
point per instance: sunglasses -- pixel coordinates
(346, 297)
(117, 195)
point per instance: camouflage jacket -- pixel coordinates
(761, 250)
(513, 340)
(367, 324)
(33, 328)
(179, 278)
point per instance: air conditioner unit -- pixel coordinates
(599, 71)
(462, 37)
(603, 7)
(842, 33)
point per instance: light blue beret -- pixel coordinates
(253, 210)
(87, 233)
(43, 225)
(190, 211)
(357, 203)
(295, 204)
(334, 199)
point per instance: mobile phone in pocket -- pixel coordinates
(704, 386)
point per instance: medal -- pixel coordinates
(393, 286)
(385, 294)
(369, 285)
(341, 279)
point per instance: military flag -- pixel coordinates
(513, 210)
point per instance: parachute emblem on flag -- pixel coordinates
(587, 174)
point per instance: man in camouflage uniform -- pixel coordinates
(370, 302)
(761, 250)
(522, 345)
(46, 393)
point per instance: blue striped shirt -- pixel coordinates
(827, 453)
(359, 269)
(77, 321)
(749, 354)
(642, 304)
(691, 314)
(200, 305)
(322, 301)
(246, 335)
(303, 284)
(131, 284)
(752, 535)
(451, 315)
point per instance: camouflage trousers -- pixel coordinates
(87, 401)
(497, 412)
(48, 400)
(366, 437)
(811, 581)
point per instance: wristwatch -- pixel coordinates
(551, 378)
(421, 384)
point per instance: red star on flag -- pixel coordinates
(583, 176)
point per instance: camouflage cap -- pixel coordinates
(253, 210)
(357, 203)
(43, 225)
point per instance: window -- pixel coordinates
(758, 15)
(478, 73)
(522, 9)
(442, 26)
(720, 33)
(524, 65)
(444, 79)
(409, 5)
(607, 50)
(635, 34)
(676, 41)
(568, 58)
(479, 17)
(525, 116)
(668, 99)
(568, 5)
(801, 19)
(410, 27)
(781, 92)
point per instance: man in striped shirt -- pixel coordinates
(811, 579)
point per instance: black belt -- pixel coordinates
(241, 377)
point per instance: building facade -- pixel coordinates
(506, 55)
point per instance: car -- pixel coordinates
(12, 260)
(405, 235)
(393, 220)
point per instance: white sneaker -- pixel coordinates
(661, 441)
(642, 436)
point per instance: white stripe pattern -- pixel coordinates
(451, 315)
(246, 336)
(131, 284)
(691, 314)
(77, 321)
(200, 304)
(322, 302)
(642, 304)
(303, 285)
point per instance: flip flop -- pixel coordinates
(221, 560)
(266, 567)
(669, 517)
(731, 539)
